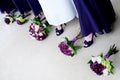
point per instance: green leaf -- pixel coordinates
(101, 55)
(74, 52)
(47, 30)
(90, 61)
(77, 47)
(68, 41)
(79, 36)
(112, 50)
(72, 55)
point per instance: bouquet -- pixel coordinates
(67, 46)
(101, 65)
(38, 30)
(9, 19)
(21, 19)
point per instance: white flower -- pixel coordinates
(33, 34)
(98, 59)
(32, 26)
(105, 72)
(40, 34)
(40, 38)
(36, 28)
(63, 40)
(71, 49)
(93, 59)
(44, 25)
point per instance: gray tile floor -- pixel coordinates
(23, 58)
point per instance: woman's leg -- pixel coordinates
(22, 6)
(35, 6)
(91, 18)
(6, 6)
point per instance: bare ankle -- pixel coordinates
(59, 27)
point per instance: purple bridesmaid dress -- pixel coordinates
(6, 6)
(22, 6)
(95, 16)
(35, 7)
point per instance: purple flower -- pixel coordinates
(97, 68)
(31, 29)
(41, 36)
(67, 47)
(7, 20)
(37, 32)
(105, 66)
(107, 55)
(64, 47)
(19, 22)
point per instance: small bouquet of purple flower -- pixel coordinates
(21, 19)
(38, 30)
(9, 19)
(67, 46)
(101, 65)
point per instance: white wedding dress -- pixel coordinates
(58, 11)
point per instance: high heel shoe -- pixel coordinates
(89, 43)
(60, 31)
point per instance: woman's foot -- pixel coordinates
(59, 30)
(88, 40)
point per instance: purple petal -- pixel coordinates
(7, 20)
(97, 68)
(64, 48)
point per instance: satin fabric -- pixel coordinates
(58, 11)
(95, 16)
